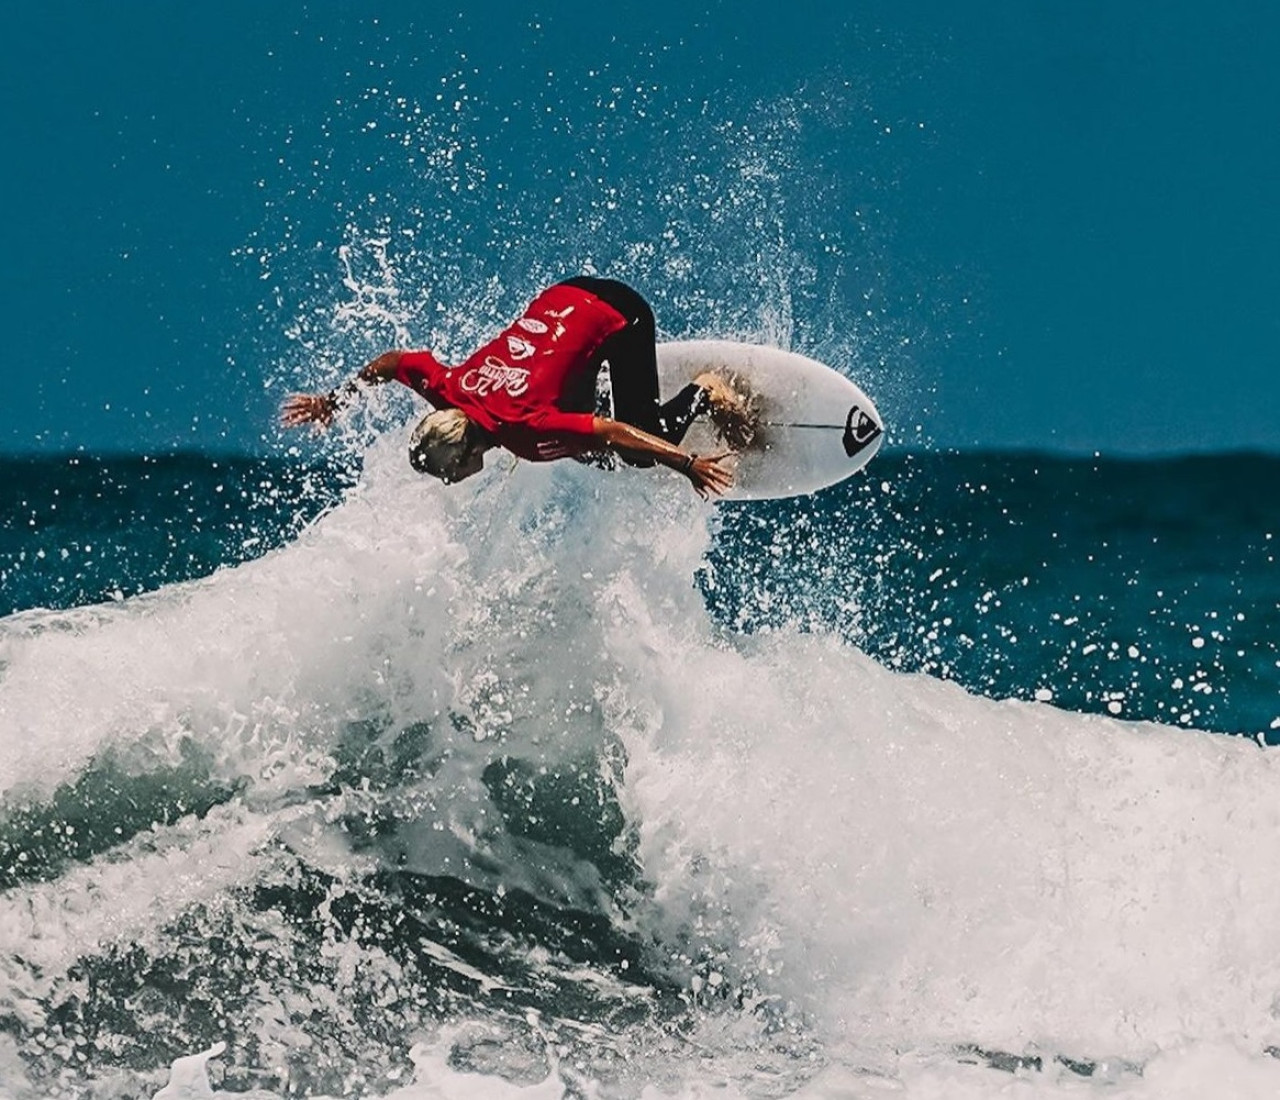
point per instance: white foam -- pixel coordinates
(246, 661)
(908, 866)
(189, 1076)
(913, 865)
(1189, 1072)
(47, 926)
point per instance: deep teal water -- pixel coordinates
(1147, 589)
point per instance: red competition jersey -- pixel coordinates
(514, 386)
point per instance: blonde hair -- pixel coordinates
(440, 442)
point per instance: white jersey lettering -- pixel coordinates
(494, 376)
(520, 348)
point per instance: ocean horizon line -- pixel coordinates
(283, 456)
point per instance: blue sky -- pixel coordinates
(1048, 226)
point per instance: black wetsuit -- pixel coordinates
(632, 356)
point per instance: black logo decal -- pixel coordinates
(859, 430)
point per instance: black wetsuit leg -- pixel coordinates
(632, 356)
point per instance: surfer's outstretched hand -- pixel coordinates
(710, 474)
(308, 408)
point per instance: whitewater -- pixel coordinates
(466, 793)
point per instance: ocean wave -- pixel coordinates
(483, 757)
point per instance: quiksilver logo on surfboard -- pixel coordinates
(859, 430)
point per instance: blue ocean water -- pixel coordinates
(1146, 588)
(567, 781)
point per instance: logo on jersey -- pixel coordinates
(559, 315)
(549, 449)
(532, 324)
(520, 348)
(495, 376)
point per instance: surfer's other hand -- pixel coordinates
(711, 474)
(308, 408)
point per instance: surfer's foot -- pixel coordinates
(729, 410)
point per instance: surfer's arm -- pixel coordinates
(707, 472)
(321, 408)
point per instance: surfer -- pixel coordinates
(532, 391)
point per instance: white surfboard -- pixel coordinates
(815, 426)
